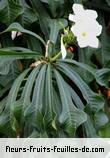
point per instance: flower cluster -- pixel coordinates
(85, 28)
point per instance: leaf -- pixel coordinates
(105, 40)
(55, 27)
(70, 117)
(7, 80)
(100, 119)
(34, 112)
(5, 66)
(9, 11)
(18, 53)
(103, 77)
(15, 117)
(28, 16)
(8, 55)
(43, 17)
(5, 126)
(76, 99)
(105, 131)
(28, 89)
(7, 116)
(17, 27)
(54, 5)
(15, 88)
(91, 132)
(80, 64)
(34, 44)
(95, 101)
(49, 108)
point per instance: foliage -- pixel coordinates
(42, 95)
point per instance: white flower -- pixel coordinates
(80, 14)
(86, 28)
(63, 49)
(14, 34)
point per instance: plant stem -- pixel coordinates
(55, 57)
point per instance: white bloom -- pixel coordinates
(63, 49)
(86, 28)
(80, 14)
(14, 34)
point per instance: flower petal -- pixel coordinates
(78, 8)
(13, 34)
(71, 17)
(92, 14)
(82, 42)
(63, 50)
(93, 42)
(76, 29)
(86, 28)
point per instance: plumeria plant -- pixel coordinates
(54, 69)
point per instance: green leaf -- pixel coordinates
(105, 131)
(28, 88)
(81, 65)
(18, 53)
(103, 77)
(70, 117)
(18, 27)
(35, 111)
(15, 88)
(28, 16)
(5, 125)
(100, 119)
(55, 27)
(9, 11)
(105, 40)
(54, 5)
(90, 130)
(43, 17)
(49, 108)
(94, 100)
(5, 66)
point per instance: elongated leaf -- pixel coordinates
(71, 117)
(81, 65)
(6, 116)
(18, 54)
(94, 100)
(28, 88)
(49, 108)
(18, 27)
(35, 111)
(15, 88)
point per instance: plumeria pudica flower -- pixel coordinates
(86, 28)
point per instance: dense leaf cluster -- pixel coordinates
(42, 95)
